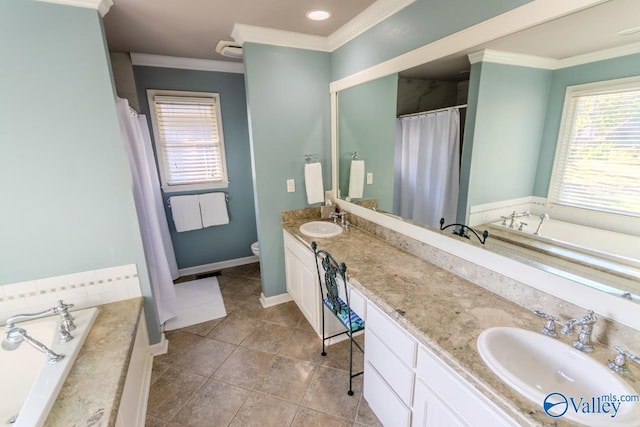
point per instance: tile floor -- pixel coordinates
(254, 367)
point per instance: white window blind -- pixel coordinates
(189, 139)
(597, 163)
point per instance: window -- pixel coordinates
(187, 127)
(597, 163)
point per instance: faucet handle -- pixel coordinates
(549, 328)
(619, 363)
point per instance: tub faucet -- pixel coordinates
(514, 215)
(543, 217)
(14, 338)
(66, 320)
(583, 342)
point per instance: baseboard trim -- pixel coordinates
(160, 348)
(274, 300)
(218, 265)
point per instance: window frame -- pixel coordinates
(160, 158)
(590, 217)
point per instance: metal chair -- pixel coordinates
(336, 305)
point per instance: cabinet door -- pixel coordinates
(309, 294)
(291, 264)
(429, 411)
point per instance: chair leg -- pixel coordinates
(350, 392)
(324, 353)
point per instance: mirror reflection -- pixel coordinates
(474, 140)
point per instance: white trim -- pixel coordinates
(508, 58)
(274, 300)
(160, 348)
(518, 19)
(365, 20)
(149, 60)
(205, 268)
(249, 33)
(101, 6)
(368, 18)
(600, 55)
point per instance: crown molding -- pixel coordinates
(145, 59)
(600, 55)
(508, 58)
(101, 6)
(368, 18)
(249, 33)
(371, 16)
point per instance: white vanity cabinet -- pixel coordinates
(389, 362)
(302, 279)
(407, 385)
(442, 398)
(302, 286)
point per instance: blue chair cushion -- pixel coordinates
(343, 313)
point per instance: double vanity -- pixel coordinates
(424, 362)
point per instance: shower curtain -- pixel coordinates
(161, 259)
(427, 167)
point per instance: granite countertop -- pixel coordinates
(444, 312)
(91, 393)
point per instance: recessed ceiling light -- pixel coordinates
(318, 15)
(629, 31)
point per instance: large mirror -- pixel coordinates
(510, 106)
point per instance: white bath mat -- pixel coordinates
(198, 301)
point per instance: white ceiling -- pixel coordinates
(191, 29)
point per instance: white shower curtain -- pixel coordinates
(427, 167)
(159, 253)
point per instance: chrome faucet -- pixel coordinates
(543, 217)
(14, 338)
(619, 363)
(66, 320)
(583, 342)
(343, 221)
(549, 328)
(514, 215)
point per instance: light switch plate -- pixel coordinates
(370, 178)
(291, 186)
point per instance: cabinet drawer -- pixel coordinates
(383, 402)
(393, 336)
(465, 401)
(391, 369)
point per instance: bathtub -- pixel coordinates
(30, 385)
(617, 247)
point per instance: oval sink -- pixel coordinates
(320, 229)
(538, 366)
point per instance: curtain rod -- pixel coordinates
(433, 111)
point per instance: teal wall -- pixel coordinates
(418, 24)
(626, 66)
(505, 131)
(289, 116)
(223, 242)
(66, 186)
(367, 124)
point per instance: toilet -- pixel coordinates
(255, 248)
